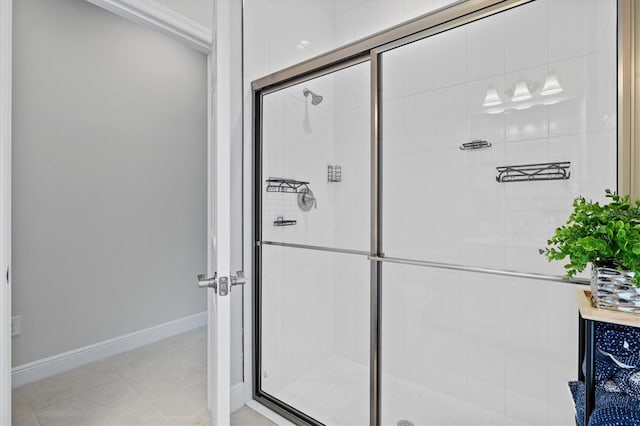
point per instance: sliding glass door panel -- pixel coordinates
(489, 131)
(315, 332)
(492, 128)
(316, 161)
(314, 237)
(462, 348)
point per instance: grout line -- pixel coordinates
(33, 411)
(145, 399)
(36, 416)
(144, 395)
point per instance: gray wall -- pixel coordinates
(109, 177)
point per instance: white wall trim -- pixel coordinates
(155, 15)
(6, 19)
(56, 364)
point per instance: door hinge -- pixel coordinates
(7, 275)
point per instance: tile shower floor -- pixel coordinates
(163, 383)
(335, 392)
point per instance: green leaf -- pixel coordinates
(608, 233)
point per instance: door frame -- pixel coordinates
(6, 19)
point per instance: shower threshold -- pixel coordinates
(332, 393)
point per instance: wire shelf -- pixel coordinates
(334, 173)
(281, 221)
(276, 184)
(476, 144)
(533, 172)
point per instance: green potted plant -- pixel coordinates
(607, 237)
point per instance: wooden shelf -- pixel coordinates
(604, 315)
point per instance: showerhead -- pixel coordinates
(315, 99)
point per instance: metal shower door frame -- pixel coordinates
(370, 50)
(264, 398)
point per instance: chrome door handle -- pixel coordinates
(238, 279)
(204, 282)
(221, 285)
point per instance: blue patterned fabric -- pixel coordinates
(618, 347)
(612, 408)
(617, 378)
(577, 391)
(618, 357)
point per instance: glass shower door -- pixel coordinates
(529, 88)
(313, 298)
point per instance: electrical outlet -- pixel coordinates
(16, 325)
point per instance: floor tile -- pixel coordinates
(25, 420)
(20, 405)
(202, 419)
(182, 404)
(158, 384)
(56, 388)
(111, 404)
(176, 363)
(245, 416)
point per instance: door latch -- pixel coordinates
(223, 286)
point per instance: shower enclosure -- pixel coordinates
(403, 186)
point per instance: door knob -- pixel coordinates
(204, 282)
(238, 279)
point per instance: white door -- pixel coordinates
(5, 211)
(220, 279)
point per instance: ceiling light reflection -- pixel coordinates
(521, 93)
(551, 86)
(491, 98)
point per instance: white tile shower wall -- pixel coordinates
(454, 340)
(303, 319)
(297, 314)
(350, 198)
(281, 33)
(427, 117)
(355, 19)
(297, 144)
(300, 140)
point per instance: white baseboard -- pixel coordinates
(26, 373)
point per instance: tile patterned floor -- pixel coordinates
(163, 383)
